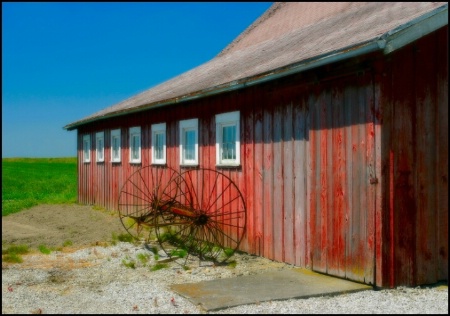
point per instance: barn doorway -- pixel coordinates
(342, 179)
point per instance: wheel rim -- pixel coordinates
(206, 217)
(139, 196)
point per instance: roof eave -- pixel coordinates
(387, 43)
(415, 29)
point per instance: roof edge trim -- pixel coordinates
(415, 29)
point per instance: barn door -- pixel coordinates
(342, 183)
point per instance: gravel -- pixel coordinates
(95, 280)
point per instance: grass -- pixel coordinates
(123, 237)
(129, 263)
(143, 258)
(43, 249)
(67, 243)
(178, 253)
(13, 252)
(27, 182)
(159, 266)
(232, 264)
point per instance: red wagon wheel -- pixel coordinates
(206, 217)
(139, 196)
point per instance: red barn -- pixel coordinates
(337, 118)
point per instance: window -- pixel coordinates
(189, 142)
(100, 146)
(86, 148)
(227, 139)
(115, 145)
(159, 143)
(135, 144)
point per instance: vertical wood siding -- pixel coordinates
(341, 197)
(441, 179)
(343, 169)
(416, 119)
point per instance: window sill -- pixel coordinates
(187, 165)
(229, 165)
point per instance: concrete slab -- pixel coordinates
(269, 286)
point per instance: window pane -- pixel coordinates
(159, 145)
(229, 142)
(100, 148)
(135, 147)
(115, 147)
(86, 150)
(189, 145)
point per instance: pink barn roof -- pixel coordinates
(289, 38)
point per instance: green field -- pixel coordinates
(27, 182)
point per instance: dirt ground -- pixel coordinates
(52, 225)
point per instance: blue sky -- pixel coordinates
(64, 61)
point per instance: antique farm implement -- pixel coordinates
(198, 212)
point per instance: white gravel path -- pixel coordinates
(95, 281)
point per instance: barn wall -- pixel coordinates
(324, 156)
(413, 87)
(276, 126)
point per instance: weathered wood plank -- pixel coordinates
(288, 185)
(442, 154)
(336, 252)
(425, 87)
(268, 183)
(369, 184)
(248, 164)
(300, 181)
(278, 211)
(403, 146)
(258, 181)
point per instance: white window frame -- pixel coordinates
(188, 125)
(223, 120)
(156, 130)
(100, 146)
(115, 134)
(87, 154)
(135, 131)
